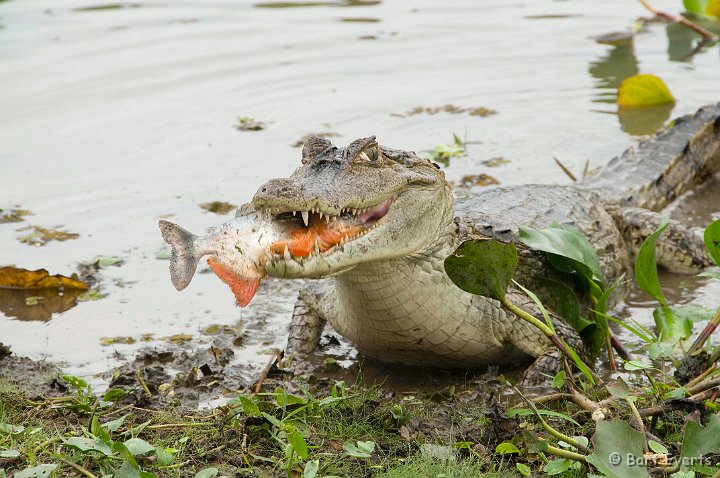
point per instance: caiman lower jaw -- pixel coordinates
(316, 232)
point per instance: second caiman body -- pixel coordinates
(386, 289)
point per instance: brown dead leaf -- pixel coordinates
(481, 179)
(495, 162)
(13, 215)
(41, 236)
(16, 278)
(449, 108)
(218, 207)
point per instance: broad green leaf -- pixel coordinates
(299, 444)
(660, 349)
(11, 429)
(482, 267)
(701, 440)
(352, 450)
(692, 313)
(557, 466)
(88, 444)
(138, 446)
(657, 447)
(523, 469)
(712, 232)
(97, 430)
(506, 448)
(165, 456)
(619, 389)
(249, 406)
(123, 451)
(366, 446)
(567, 242)
(713, 9)
(713, 274)
(646, 266)
(129, 471)
(113, 425)
(633, 365)
(670, 327)
(311, 469)
(39, 471)
(643, 90)
(580, 364)
(9, 453)
(615, 441)
(107, 261)
(522, 412)
(207, 473)
(558, 380)
(695, 6)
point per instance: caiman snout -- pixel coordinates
(276, 190)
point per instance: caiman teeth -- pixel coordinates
(305, 217)
(286, 254)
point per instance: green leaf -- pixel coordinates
(657, 447)
(692, 313)
(579, 363)
(366, 446)
(97, 430)
(165, 456)
(567, 242)
(522, 412)
(39, 471)
(107, 261)
(482, 267)
(523, 469)
(633, 365)
(138, 446)
(9, 453)
(88, 444)
(558, 380)
(646, 266)
(249, 406)
(700, 440)
(352, 450)
(695, 6)
(299, 444)
(207, 473)
(506, 448)
(619, 389)
(311, 469)
(113, 425)
(113, 394)
(123, 451)
(712, 239)
(557, 466)
(11, 429)
(613, 442)
(713, 9)
(670, 327)
(539, 305)
(713, 274)
(129, 471)
(643, 90)
(660, 349)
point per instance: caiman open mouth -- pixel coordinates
(320, 231)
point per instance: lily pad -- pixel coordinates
(41, 235)
(643, 90)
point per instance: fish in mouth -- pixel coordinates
(240, 248)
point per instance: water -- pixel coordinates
(113, 115)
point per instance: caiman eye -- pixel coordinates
(371, 153)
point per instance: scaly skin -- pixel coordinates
(387, 292)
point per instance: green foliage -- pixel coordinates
(614, 441)
(712, 241)
(482, 267)
(700, 440)
(646, 266)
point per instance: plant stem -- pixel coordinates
(79, 468)
(547, 331)
(705, 334)
(680, 20)
(139, 377)
(566, 454)
(174, 425)
(638, 418)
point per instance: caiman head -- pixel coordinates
(399, 204)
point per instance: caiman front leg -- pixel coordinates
(530, 340)
(679, 248)
(309, 317)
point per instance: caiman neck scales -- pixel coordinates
(385, 288)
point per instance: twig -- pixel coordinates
(79, 468)
(565, 169)
(705, 334)
(680, 20)
(702, 376)
(585, 169)
(138, 376)
(703, 385)
(264, 374)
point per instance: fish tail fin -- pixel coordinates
(184, 260)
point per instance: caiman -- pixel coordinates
(385, 288)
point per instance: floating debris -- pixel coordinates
(246, 123)
(105, 341)
(218, 207)
(449, 108)
(163, 255)
(481, 179)
(13, 215)
(41, 235)
(17, 278)
(495, 162)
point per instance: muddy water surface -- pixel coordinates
(113, 115)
